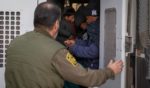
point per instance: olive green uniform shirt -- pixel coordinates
(36, 60)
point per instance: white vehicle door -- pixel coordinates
(113, 25)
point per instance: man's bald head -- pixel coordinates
(46, 14)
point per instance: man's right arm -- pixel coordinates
(66, 65)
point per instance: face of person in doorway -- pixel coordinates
(70, 18)
(91, 19)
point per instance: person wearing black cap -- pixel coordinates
(67, 29)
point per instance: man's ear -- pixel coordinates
(56, 25)
(54, 30)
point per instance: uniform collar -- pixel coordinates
(42, 30)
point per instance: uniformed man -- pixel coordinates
(36, 60)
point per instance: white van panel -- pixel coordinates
(16, 18)
(119, 25)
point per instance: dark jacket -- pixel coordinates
(79, 19)
(87, 51)
(29, 59)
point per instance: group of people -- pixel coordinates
(84, 47)
(37, 60)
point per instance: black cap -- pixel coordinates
(91, 10)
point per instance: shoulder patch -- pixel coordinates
(71, 59)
